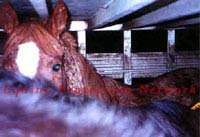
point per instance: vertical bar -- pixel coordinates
(171, 50)
(127, 57)
(82, 42)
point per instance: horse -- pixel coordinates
(44, 48)
(35, 107)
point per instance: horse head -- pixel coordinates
(45, 49)
(35, 48)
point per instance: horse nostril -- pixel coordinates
(56, 67)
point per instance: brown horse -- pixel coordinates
(45, 49)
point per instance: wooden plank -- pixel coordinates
(78, 25)
(111, 28)
(97, 56)
(171, 49)
(181, 23)
(116, 10)
(114, 76)
(127, 57)
(82, 42)
(187, 53)
(188, 62)
(142, 73)
(148, 64)
(175, 10)
(40, 7)
(149, 54)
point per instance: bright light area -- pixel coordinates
(41, 7)
(28, 57)
(114, 27)
(146, 28)
(78, 26)
(171, 37)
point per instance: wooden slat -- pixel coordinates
(111, 28)
(180, 23)
(78, 25)
(187, 59)
(187, 53)
(82, 42)
(96, 56)
(127, 57)
(116, 10)
(175, 10)
(148, 64)
(171, 49)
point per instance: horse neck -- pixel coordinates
(79, 72)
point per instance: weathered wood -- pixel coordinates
(148, 64)
(127, 57)
(78, 25)
(82, 42)
(171, 49)
(111, 28)
(176, 10)
(116, 10)
(186, 60)
(40, 7)
(181, 23)
(104, 55)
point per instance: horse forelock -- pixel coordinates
(36, 33)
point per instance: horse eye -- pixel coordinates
(56, 67)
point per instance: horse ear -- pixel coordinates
(57, 23)
(8, 18)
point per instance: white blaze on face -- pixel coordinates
(28, 59)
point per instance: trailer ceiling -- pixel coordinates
(98, 13)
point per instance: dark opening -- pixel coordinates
(187, 40)
(3, 38)
(74, 34)
(136, 82)
(149, 41)
(104, 42)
